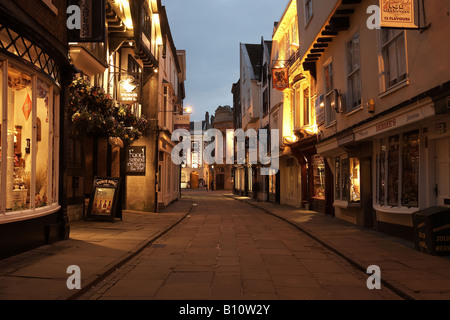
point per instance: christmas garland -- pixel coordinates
(95, 112)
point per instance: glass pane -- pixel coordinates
(337, 188)
(319, 177)
(392, 63)
(331, 113)
(55, 142)
(401, 56)
(382, 177)
(350, 57)
(355, 182)
(297, 108)
(345, 179)
(354, 90)
(410, 177)
(393, 168)
(42, 144)
(306, 106)
(5, 40)
(19, 135)
(356, 59)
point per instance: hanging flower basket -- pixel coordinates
(94, 112)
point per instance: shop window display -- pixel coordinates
(382, 172)
(28, 142)
(410, 172)
(345, 183)
(393, 170)
(337, 188)
(348, 184)
(272, 183)
(355, 185)
(398, 170)
(19, 134)
(319, 177)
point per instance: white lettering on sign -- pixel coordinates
(136, 159)
(386, 125)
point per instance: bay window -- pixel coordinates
(29, 139)
(398, 170)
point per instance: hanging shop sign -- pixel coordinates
(135, 160)
(280, 78)
(129, 91)
(104, 198)
(86, 20)
(398, 14)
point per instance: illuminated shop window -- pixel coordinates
(319, 177)
(398, 170)
(347, 180)
(355, 186)
(272, 183)
(29, 140)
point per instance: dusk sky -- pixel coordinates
(210, 31)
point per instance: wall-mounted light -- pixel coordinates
(371, 106)
(290, 139)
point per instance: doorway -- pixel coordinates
(194, 180)
(220, 182)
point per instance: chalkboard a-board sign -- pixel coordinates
(135, 160)
(103, 202)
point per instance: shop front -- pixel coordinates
(31, 211)
(315, 176)
(410, 167)
(348, 178)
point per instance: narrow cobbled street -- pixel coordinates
(226, 249)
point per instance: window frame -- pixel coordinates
(381, 199)
(53, 169)
(306, 105)
(330, 113)
(51, 6)
(384, 67)
(309, 11)
(343, 180)
(352, 72)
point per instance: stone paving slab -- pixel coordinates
(414, 274)
(95, 246)
(100, 246)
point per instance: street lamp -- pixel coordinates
(188, 110)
